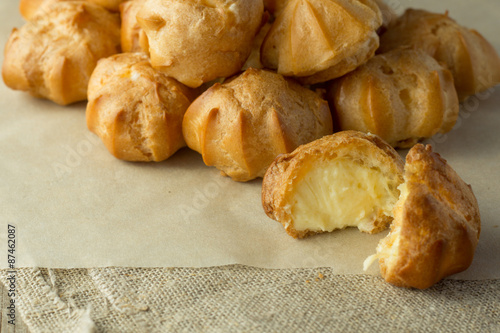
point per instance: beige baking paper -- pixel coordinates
(74, 205)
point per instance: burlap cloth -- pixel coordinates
(243, 299)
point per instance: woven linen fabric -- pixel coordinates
(245, 299)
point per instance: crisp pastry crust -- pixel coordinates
(242, 125)
(319, 40)
(136, 110)
(402, 96)
(28, 8)
(196, 41)
(112, 5)
(133, 38)
(345, 179)
(473, 61)
(436, 224)
(54, 54)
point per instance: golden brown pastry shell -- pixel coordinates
(28, 8)
(112, 5)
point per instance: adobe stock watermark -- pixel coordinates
(202, 198)
(75, 155)
(11, 271)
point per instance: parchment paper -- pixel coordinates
(74, 205)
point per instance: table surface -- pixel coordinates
(65, 192)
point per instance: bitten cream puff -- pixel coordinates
(348, 179)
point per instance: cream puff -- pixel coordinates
(319, 40)
(198, 41)
(240, 126)
(136, 110)
(348, 179)
(472, 60)
(54, 54)
(403, 96)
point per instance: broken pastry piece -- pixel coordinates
(436, 224)
(319, 40)
(54, 54)
(242, 125)
(402, 96)
(196, 41)
(348, 179)
(473, 61)
(136, 110)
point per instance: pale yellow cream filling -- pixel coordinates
(341, 193)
